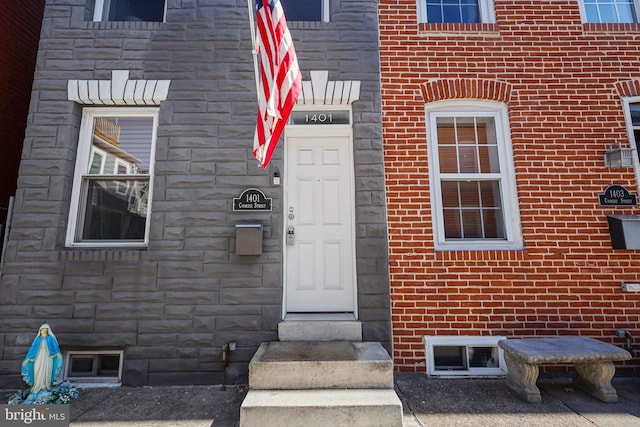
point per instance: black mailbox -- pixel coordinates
(624, 231)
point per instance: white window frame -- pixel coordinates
(325, 10)
(95, 381)
(83, 156)
(635, 145)
(102, 6)
(464, 341)
(583, 12)
(510, 208)
(487, 11)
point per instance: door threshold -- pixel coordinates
(320, 316)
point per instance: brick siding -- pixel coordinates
(562, 82)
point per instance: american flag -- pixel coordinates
(279, 76)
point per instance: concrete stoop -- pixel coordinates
(318, 365)
(319, 330)
(321, 408)
(325, 383)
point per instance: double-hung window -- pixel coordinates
(472, 179)
(610, 11)
(129, 10)
(456, 11)
(111, 194)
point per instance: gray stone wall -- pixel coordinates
(172, 306)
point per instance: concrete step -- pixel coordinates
(321, 408)
(319, 330)
(317, 365)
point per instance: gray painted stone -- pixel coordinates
(189, 280)
(96, 340)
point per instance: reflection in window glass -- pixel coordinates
(467, 145)
(452, 357)
(97, 161)
(610, 11)
(472, 210)
(113, 213)
(471, 193)
(448, 357)
(125, 141)
(483, 357)
(114, 188)
(116, 208)
(462, 11)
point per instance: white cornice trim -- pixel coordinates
(321, 91)
(118, 91)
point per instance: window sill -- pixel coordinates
(121, 254)
(124, 25)
(592, 27)
(456, 27)
(308, 25)
(480, 254)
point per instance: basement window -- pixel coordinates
(101, 368)
(464, 356)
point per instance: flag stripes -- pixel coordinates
(280, 78)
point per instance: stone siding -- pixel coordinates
(172, 306)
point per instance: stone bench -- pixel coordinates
(593, 361)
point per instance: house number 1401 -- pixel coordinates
(333, 117)
(318, 118)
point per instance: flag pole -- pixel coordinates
(254, 48)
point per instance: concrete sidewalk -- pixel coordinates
(488, 402)
(427, 402)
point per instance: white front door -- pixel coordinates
(319, 223)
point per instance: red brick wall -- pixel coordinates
(19, 35)
(562, 82)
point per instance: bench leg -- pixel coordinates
(522, 377)
(595, 379)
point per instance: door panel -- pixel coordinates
(320, 272)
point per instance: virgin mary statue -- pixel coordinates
(43, 362)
